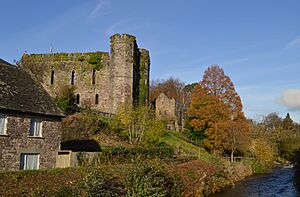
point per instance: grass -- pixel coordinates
(187, 149)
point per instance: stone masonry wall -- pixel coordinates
(122, 75)
(17, 141)
(171, 111)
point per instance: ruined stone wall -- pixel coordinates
(119, 76)
(17, 141)
(171, 111)
(144, 76)
(60, 67)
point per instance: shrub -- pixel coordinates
(121, 154)
(83, 125)
(97, 184)
(65, 100)
(152, 180)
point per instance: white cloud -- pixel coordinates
(113, 28)
(294, 43)
(291, 99)
(234, 61)
(100, 5)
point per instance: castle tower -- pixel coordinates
(124, 59)
(144, 60)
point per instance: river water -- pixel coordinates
(280, 182)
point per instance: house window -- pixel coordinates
(73, 76)
(77, 99)
(97, 99)
(29, 161)
(35, 127)
(52, 77)
(94, 77)
(3, 123)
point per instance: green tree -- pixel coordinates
(288, 123)
(139, 124)
(65, 100)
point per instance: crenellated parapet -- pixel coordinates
(101, 80)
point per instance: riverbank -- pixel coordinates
(190, 178)
(279, 182)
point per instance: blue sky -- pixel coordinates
(257, 42)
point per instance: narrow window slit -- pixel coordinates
(94, 77)
(97, 99)
(52, 77)
(73, 76)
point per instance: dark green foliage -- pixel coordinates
(61, 57)
(81, 58)
(83, 125)
(152, 180)
(95, 60)
(120, 154)
(65, 100)
(97, 184)
(288, 146)
(190, 87)
(288, 122)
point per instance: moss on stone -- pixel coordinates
(95, 60)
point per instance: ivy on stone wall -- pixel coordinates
(95, 60)
(143, 87)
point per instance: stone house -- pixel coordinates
(170, 110)
(101, 80)
(29, 122)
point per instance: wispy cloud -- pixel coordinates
(99, 6)
(294, 43)
(114, 28)
(234, 61)
(291, 99)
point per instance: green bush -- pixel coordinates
(121, 154)
(258, 167)
(83, 125)
(96, 183)
(152, 180)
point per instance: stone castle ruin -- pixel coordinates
(101, 80)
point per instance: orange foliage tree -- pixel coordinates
(230, 131)
(207, 114)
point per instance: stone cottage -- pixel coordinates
(172, 111)
(29, 122)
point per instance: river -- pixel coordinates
(280, 182)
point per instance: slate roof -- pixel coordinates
(19, 92)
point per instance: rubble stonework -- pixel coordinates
(172, 111)
(17, 141)
(115, 77)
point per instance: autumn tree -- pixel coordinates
(172, 88)
(208, 115)
(216, 95)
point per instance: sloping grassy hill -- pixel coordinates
(187, 149)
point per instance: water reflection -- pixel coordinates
(280, 182)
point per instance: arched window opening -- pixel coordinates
(94, 77)
(97, 99)
(73, 76)
(52, 77)
(77, 99)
